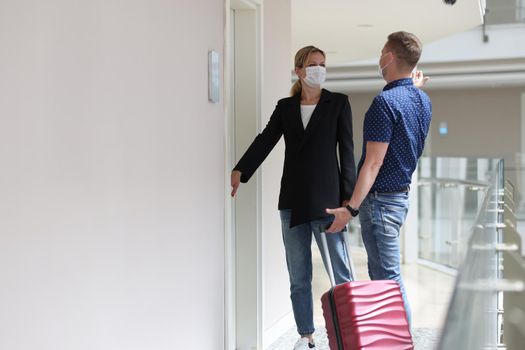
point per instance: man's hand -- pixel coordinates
(235, 181)
(419, 79)
(342, 217)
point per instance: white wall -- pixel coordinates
(277, 65)
(112, 173)
(469, 45)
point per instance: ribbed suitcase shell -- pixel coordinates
(368, 315)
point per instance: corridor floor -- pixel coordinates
(428, 290)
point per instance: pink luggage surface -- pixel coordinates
(368, 315)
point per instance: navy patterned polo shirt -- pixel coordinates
(400, 116)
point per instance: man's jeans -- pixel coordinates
(381, 216)
(298, 243)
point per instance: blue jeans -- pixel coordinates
(381, 216)
(297, 244)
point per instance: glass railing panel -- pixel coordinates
(515, 175)
(487, 310)
(513, 256)
(451, 191)
(472, 319)
(514, 301)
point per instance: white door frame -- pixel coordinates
(522, 125)
(229, 242)
(249, 336)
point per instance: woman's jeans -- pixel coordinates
(381, 216)
(297, 244)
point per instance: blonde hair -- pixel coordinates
(301, 58)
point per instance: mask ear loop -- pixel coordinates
(386, 65)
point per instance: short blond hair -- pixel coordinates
(407, 48)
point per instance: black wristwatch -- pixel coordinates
(353, 212)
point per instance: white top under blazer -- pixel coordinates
(306, 113)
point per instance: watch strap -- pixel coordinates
(353, 212)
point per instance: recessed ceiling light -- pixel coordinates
(365, 25)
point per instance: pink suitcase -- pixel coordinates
(365, 314)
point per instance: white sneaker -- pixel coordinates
(303, 344)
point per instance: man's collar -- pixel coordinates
(399, 82)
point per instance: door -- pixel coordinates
(243, 251)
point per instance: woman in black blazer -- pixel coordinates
(316, 124)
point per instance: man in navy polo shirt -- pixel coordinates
(394, 132)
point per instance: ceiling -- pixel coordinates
(352, 30)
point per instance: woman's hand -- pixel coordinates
(235, 181)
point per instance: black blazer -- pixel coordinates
(312, 180)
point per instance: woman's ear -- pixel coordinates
(298, 71)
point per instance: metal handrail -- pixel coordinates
(449, 182)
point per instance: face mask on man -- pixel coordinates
(315, 76)
(381, 69)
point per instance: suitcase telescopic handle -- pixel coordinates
(328, 259)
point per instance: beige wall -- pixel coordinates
(112, 180)
(481, 122)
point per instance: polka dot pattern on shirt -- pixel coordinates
(400, 116)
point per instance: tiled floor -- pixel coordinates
(428, 290)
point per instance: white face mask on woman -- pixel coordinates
(315, 76)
